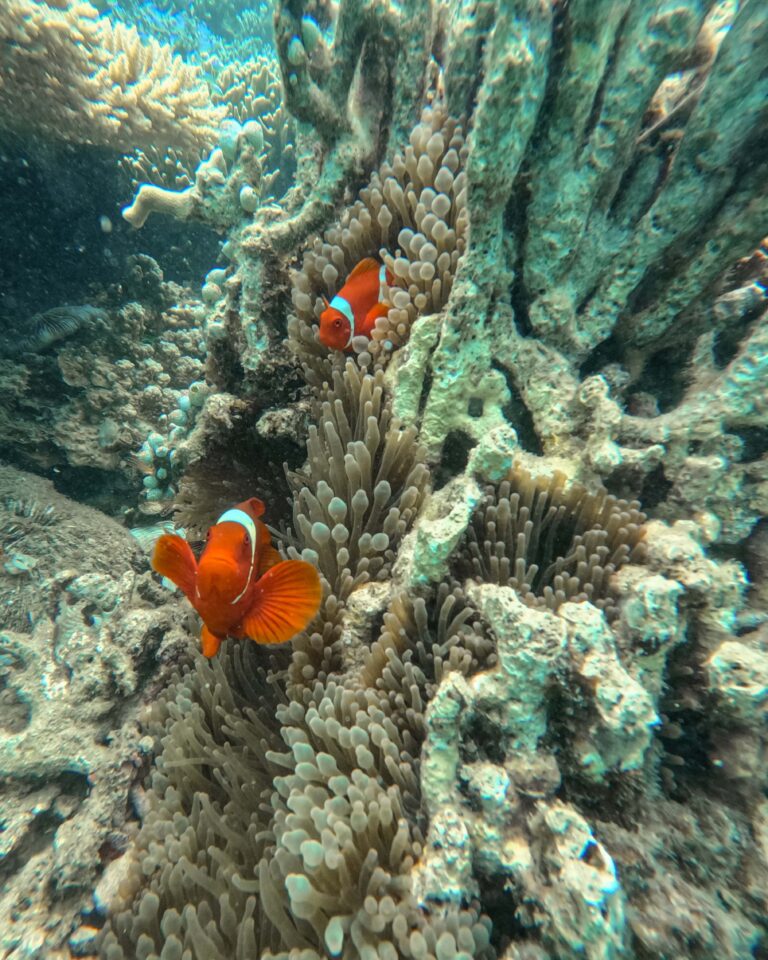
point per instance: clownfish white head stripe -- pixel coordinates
(342, 305)
(241, 517)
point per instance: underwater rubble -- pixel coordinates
(87, 637)
(528, 720)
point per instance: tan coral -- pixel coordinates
(75, 76)
(243, 91)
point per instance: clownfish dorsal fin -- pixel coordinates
(369, 263)
(267, 555)
(173, 558)
(252, 506)
(285, 600)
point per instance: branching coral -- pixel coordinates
(243, 92)
(76, 76)
(252, 90)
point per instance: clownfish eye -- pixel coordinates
(337, 323)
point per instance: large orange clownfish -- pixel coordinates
(356, 307)
(241, 587)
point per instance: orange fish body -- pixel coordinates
(356, 307)
(240, 586)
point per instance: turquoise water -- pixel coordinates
(383, 471)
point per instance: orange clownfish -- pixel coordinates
(241, 587)
(355, 308)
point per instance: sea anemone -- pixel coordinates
(551, 540)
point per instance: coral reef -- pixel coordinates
(86, 636)
(87, 386)
(529, 718)
(219, 195)
(534, 762)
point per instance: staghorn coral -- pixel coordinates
(76, 76)
(551, 541)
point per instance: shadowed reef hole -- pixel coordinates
(454, 458)
(518, 414)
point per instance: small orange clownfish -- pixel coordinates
(356, 307)
(241, 587)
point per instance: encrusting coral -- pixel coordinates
(88, 385)
(85, 635)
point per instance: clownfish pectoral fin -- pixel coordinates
(268, 558)
(376, 311)
(173, 558)
(210, 642)
(285, 600)
(369, 263)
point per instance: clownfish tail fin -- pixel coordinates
(285, 600)
(173, 558)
